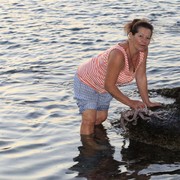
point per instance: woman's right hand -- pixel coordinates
(136, 104)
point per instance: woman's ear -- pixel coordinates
(130, 35)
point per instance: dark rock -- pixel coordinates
(169, 92)
(163, 132)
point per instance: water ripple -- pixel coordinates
(42, 44)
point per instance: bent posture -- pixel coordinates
(96, 81)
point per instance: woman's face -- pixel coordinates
(142, 39)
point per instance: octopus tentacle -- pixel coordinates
(132, 116)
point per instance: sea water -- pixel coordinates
(42, 44)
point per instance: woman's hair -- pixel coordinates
(134, 26)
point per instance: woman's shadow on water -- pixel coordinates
(96, 161)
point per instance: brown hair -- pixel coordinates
(134, 26)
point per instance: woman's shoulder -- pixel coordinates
(143, 55)
(119, 48)
(118, 52)
(123, 45)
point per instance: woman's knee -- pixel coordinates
(93, 117)
(88, 122)
(101, 117)
(89, 117)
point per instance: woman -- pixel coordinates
(96, 81)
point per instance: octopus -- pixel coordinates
(131, 116)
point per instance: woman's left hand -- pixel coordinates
(154, 104)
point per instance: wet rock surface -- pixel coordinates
(163, 132)
(170, 92)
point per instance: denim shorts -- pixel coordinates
(87, 98)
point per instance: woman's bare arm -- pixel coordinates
(115, 66)
(142, 84)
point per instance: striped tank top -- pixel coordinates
(93, 72)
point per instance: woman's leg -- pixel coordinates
(88, 122)
(88, 130)
(90, 118)
(101, 116)
(92, 105)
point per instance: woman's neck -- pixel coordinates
(132, 56)
(133, 52)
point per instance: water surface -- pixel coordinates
(42, 44)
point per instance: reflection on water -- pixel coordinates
(141, 161)
(147, 160)
(93, 162)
